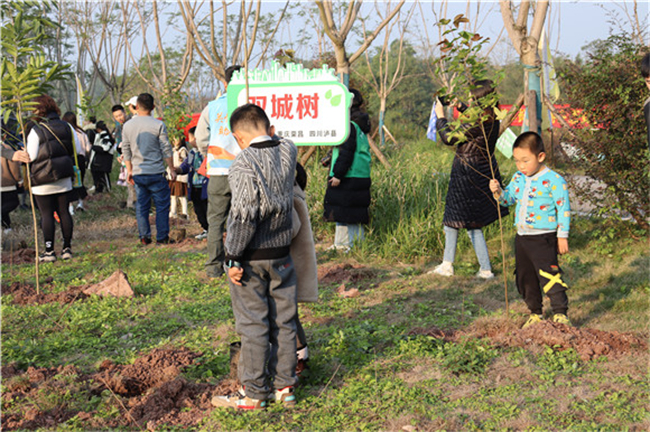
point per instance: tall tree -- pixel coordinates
(388, 64)
(221, 38)
(101, 36)
(159, 75)
(526, 42)
(339, 32)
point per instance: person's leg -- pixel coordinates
(9, 203)
(183, 200)
(46, 206)
(451, 239)
(172, 206)
(526, 274)
(480, 248)
(143, 206)
(549, 273)
(97, 180)
(282, 319)
(355, 233)
(341, 236)
(61, 202)
(250, 306)
(218, 206)
(159, 188)
(200, 208)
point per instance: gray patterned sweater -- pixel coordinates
(260, 220)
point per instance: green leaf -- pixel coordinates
(336, 100)
(328, 94)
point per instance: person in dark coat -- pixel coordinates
(101, 158)
(469, 203)
(347, 197)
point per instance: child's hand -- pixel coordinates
(495, 187)
(562, 245)
(235, 274)
(335, 182)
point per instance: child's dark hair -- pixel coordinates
(229, 71)
(192, 130)
(101, 126)
(249, 117)
(117, 108)
(145, 100)
(301, 176)
(645, 66)
(531, 141)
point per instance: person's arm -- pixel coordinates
(127, 155)
(242, 220)
(15, 155)
(646, 113)
(563, 209)
(345, 158)
(202, 133)
(166, 149)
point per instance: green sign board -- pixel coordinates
(307, 106)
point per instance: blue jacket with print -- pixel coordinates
(542, 201)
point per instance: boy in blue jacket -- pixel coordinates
(542, 219)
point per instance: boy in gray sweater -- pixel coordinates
(258, 264)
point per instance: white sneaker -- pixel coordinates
(445, 269)
(202, 236)
(485, 274)
(71, 210)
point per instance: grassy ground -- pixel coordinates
(378, 361)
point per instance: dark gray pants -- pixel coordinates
(265, 311)
(218, 206)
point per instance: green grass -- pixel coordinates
(369, 369)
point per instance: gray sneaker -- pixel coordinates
(66, 254)
(47, 257)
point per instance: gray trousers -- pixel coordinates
(218, 207)
(265, 311)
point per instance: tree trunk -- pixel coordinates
(382, 113)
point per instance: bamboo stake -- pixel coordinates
(307, 155)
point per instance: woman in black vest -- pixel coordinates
(49, 145)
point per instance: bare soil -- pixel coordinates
(150, 393)
(344, 274)
(25, 294)
(588, 343)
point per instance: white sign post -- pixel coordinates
(307, 106)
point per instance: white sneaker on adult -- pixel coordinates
(485, 274)
(71, 210)
(445, 269)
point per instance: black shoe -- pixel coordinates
(145, 240)
(166, 240)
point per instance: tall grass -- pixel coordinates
(408, 202)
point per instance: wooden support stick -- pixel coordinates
(378, 153)
(505, 123)
(390, 135)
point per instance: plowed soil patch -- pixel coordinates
(343, 273)
(589, 343)
(25, 294)
(20, 256)
(148, 394)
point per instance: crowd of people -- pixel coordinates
(247, 191)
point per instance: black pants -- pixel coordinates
(48, 204)
(79, 193)
(102, 181)
(537, 270)
(9, 204)
(200, 207)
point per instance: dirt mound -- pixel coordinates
(21, 256)
(25, 294)
(150, 389)
(155, 368)
(343, 273)
(589, 343)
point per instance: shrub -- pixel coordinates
(609, 88)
